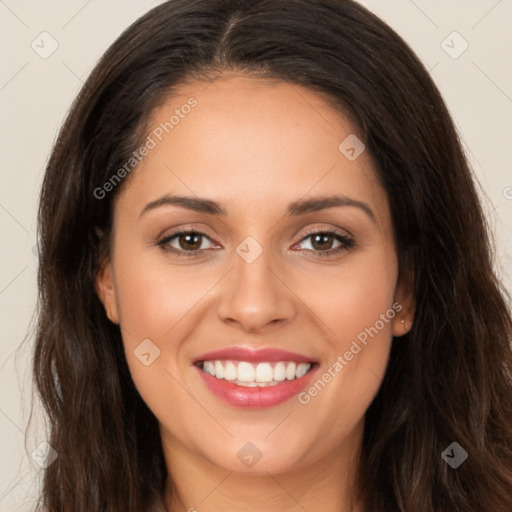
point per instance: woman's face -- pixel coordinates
(258, 281)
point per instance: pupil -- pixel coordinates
(187, 239)
(320, 236)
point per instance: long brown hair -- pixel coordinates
(448, 380)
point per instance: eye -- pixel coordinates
(189, 243)
(322, 241)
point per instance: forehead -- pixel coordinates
(252, 143)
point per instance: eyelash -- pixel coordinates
(347, 242)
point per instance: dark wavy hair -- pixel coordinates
(449, 379)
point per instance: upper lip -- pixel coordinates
(252, 355)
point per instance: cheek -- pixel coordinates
(353, 296)
(356, 306)
(149, 304)
(153, 298)
(158, 303)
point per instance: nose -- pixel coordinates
(255, 296)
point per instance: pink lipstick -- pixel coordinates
(255, 378)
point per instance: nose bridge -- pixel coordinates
(253, 265)
(254, 295)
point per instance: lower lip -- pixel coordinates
(256, 397)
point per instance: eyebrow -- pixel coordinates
(296, 208)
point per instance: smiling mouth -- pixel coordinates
(263, 374)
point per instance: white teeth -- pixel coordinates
(245, 372)
(290, 371)
(229, 371)
(264, 372)
(209, 368)
(219, 370)
(279, 372)
(262, 375)
(254, 384)
(301, 370)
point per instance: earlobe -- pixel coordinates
(403, 321)
(401, 327)
(105, 288)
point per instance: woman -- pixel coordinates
(265, 275)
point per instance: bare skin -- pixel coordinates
(254, 147)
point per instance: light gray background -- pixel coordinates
(36, 92)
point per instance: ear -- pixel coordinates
(405, 305)
(106, 290)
